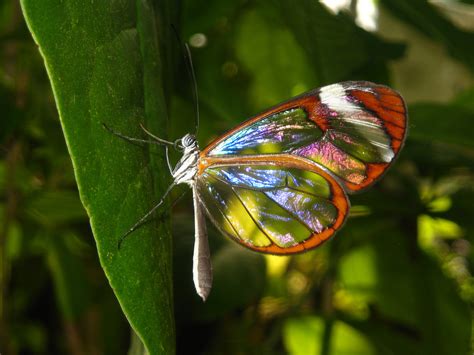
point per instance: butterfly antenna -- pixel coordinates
(158, 139)
(144, 219)
(137, 141)
(192, 75)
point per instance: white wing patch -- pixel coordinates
(355, 121)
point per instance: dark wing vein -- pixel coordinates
(295, 216)
(250, 215)
(219, 208)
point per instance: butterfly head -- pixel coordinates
(188, 142)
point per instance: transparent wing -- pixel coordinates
(273, 209)
(278, 132)
(354, 129)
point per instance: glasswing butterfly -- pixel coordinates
(278, 182)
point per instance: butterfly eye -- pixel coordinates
(188, 140)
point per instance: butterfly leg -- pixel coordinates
(170, 168)
(155, 140)
(144, 219)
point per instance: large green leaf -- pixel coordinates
(106, 64)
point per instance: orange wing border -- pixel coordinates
(389, 106)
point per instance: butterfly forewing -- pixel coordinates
(354, 129)
(278, 209)
(276, 133)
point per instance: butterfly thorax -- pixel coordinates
(186, 169)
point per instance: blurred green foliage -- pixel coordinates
(396, 280)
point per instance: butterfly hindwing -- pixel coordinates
(277, 209)
(353, 129)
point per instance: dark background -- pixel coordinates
(396, 280)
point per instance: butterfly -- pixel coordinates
(278, 182)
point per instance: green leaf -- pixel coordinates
(106, 64)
